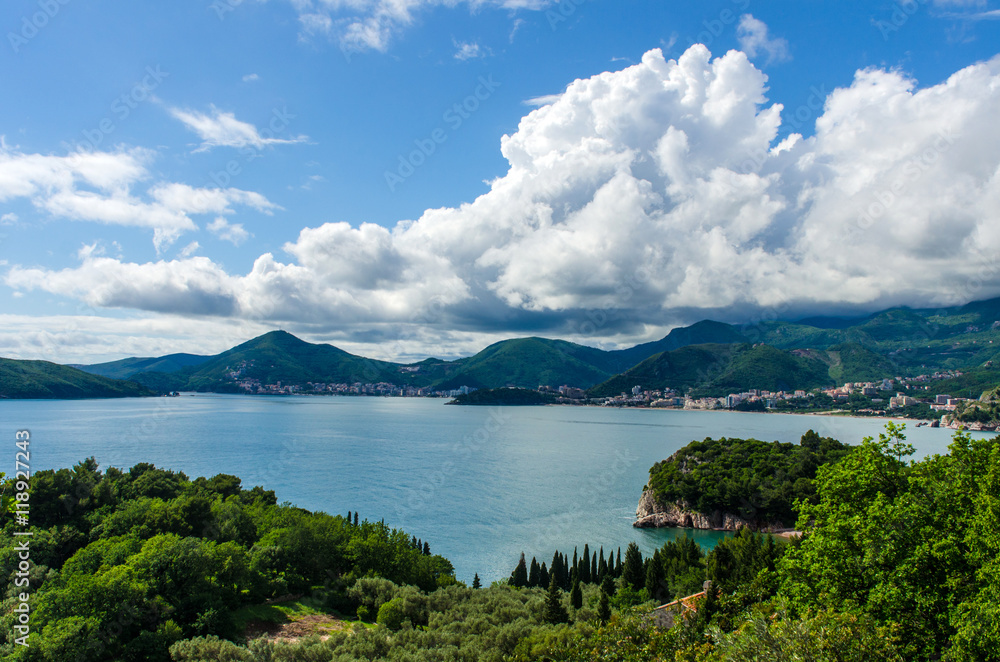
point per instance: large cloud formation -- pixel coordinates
(642, 198)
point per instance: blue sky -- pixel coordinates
(182, 176)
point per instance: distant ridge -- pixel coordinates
(899, 341)
(44, 380)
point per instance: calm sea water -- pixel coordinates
(479, 484)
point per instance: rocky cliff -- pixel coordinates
(652, 514)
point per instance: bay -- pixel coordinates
(480, 485)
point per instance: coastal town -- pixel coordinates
(887, 397)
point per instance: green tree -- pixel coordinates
(519, 578)
(608, 585)
(391, 615)
(633, 573)
(604, 608)
(585, 565)
(655, 579)
(476, 583)
(905, 543)
(576, 595)
(533, 573)
(555, 612)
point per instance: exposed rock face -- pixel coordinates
(651, 514)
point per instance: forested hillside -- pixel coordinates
(899, 562)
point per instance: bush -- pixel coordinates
(390, 615)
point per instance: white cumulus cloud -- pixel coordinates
(100, 187)
(636, 200)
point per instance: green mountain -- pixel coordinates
(808, 352)
(768, 368)
(126, 368)
(716, 370)
(42, 379)
(684, 368)
(530, 362)
(851, 362)
(699, 333)
(279, 356)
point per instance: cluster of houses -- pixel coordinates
(383, 389)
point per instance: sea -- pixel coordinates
(479, 484)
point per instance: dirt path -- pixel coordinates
(300, 628)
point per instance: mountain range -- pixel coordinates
(709, 357)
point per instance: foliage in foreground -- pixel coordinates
(127, 563)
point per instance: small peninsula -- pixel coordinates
(728, 484)
(509, 397)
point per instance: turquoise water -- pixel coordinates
(479, 484)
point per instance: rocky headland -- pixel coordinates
(651, 514)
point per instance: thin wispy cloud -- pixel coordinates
(365, 25)
(251, 78)
(222, 129)
(543, 100)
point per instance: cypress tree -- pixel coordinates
(348, 517)
(576, 595)
(604, 608)
(475, 582)
(566, 582)
(519, 578)
(543, 575)
(608, 585)
(355, 518)
(654, 579)
(427, 549)
(602, 566)
(576, 563)
(618, 567)
(555, 612)
(633, 572)
(594, 575)
(585, 565)
(533, 571)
